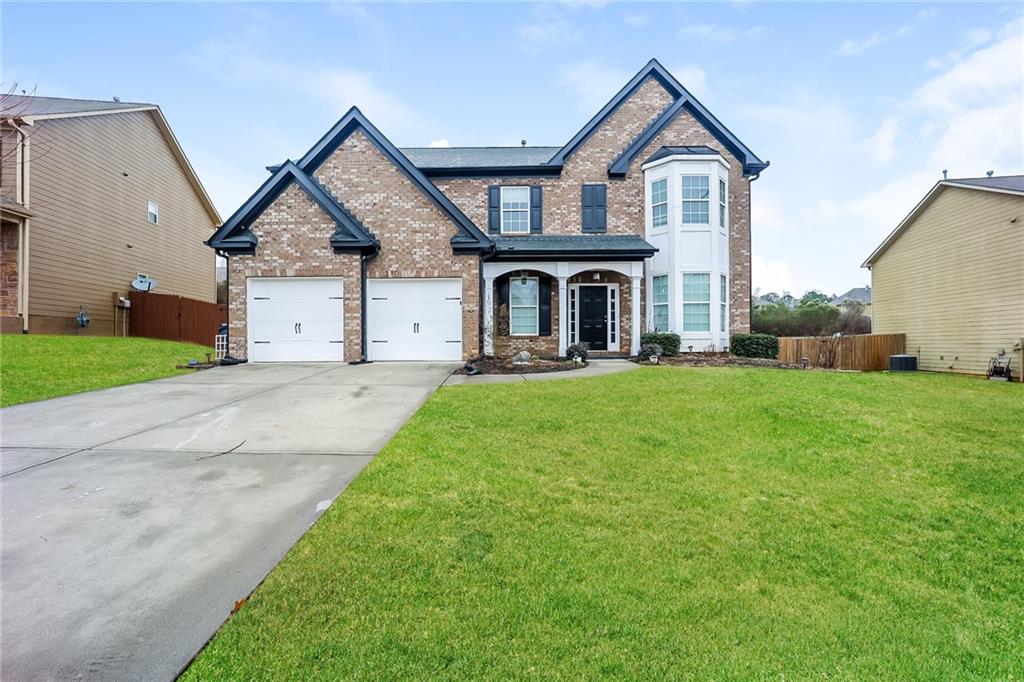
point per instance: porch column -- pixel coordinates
(634, 299)
(488, 315)
(563, 315)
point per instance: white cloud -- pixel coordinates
(852, 47)
(715, 33)
(637, 20)
(770, 275)
(592, 82)
(881, 146)
(439, 143)
(547, 26)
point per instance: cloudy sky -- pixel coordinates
(858, 107)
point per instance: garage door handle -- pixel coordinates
(298, 327)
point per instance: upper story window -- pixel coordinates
(696, 197)
(515, 210)
(659, 203)
(154, 213)
(659, 300)
(722, 207)
(696, 302)
(523, 306)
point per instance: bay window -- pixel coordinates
(659, 300)
(696, 302)
(722, 197)
(696, 199)
(659, 203)
(723, 301)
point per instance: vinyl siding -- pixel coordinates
(87, 212)
(954, 281)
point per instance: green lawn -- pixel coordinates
(666, 523)
(36, 367)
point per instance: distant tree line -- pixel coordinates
(810, 315)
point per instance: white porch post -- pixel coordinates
(488, 315)
(634, 299)
(563, 315)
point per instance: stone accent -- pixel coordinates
(9, 270)
(294, 235)
(413, 231)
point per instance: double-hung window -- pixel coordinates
(659, 300)
(722, 196)
(153, 215)
(523, 306)
(696, 302)
(723, 301)
(515, 210)
(696, 197)
(659, 203)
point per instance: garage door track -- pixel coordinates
(135, 517)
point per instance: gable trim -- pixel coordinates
(468, 237)
(235, 236)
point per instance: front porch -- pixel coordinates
(589, 302)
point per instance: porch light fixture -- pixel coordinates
(597, 276)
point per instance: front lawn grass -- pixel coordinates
(666, 523)
(36, 367)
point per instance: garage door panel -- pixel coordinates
(296, 319)
(415, 319)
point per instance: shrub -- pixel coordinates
(754, 345)
(668, 341)
(651, 350)
(577, 350)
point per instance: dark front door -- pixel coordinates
(594, 317)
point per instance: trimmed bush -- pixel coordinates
(754, 345)
(577, 350)
(668, 341)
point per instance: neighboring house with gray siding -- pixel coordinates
(360, 250)
(93, 193)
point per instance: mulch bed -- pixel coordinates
(506, 366)
(720, 360)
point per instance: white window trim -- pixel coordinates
(667, 202)
(683, 199)
(723, 303)
(536, 306)
(501, 208)
(156, 213)
(667, 303)
(703, 333)
(723, 204)
(614, 328)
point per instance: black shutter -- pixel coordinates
(536, 209)
(595, 208)
(502, 283)
(544, 299)
(494, 209)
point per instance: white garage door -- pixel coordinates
(296, 319)
(414, 319)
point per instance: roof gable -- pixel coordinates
(683, 99)
(235, 235)
(468, 238)
(1007, 184)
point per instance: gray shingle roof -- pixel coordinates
(859, 294)
(478, 157)
(27, 105)
(1013, 183)
(586, 244)
(685, 151)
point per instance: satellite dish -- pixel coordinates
(143, 282)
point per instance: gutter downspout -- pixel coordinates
(23, 237)
(750, 299)
(364, 258)
(227, 296)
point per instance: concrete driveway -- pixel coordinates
(135, 517)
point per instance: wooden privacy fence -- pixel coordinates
(175, 318)
(865, 352)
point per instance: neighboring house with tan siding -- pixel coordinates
(360, 250)
(951, 276)
(94, 193)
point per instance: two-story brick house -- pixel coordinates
(641, 221)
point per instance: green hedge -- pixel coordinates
(669, 342)
(754, 345)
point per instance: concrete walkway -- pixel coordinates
(596, 368)
(133, 518)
